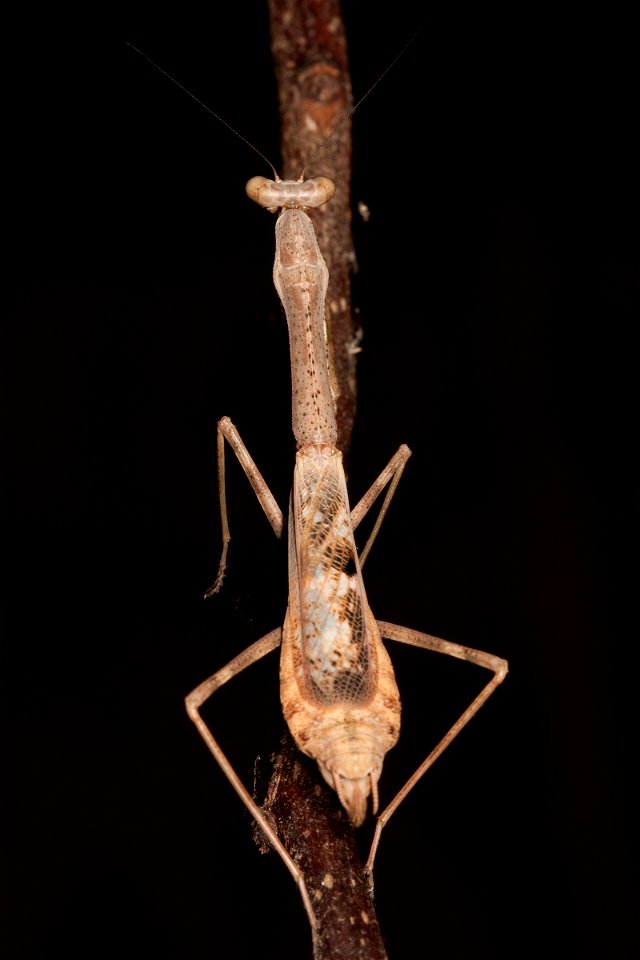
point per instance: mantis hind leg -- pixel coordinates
(488, 661)
(195, 700)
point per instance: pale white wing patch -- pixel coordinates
(336, 663)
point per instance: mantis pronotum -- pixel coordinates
(337, 685)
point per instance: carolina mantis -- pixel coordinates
(337, 686)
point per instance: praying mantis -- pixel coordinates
(337, 686)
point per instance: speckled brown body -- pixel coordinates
(338, 690)
(337, 686)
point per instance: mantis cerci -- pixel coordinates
(337, 687)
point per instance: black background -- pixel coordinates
(498, 290)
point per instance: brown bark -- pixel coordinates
(317, 833)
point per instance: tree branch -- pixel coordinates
(310, 54)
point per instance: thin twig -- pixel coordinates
(309, 49)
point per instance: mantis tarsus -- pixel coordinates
(337, 685)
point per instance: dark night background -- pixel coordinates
(498, 291)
